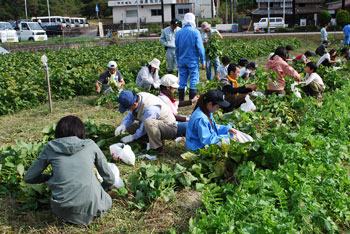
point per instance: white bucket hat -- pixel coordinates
(155, 63)
(170, 80)
(205, 25)
(189, 18)
(112, 64)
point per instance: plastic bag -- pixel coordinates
(248, 105)
(123, 152)
(243, 137)
(295, 90)
(118, 181)
(257, 94)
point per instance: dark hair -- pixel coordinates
(280, 51)
(225, 60)
(70, 126)
(288, 47)
(242, 62)
(251, 65)
(167, 93)
(202, 104)
(231, 67)
(312, 66)
(308, 53)
(325, 42)
(344, 50)
(150, 69)
(331, 52)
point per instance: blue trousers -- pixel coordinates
(216, 63)
(189, 70)
(347, 40)
(181, 128)
(171, 59)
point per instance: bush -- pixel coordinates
(324, 17)
(154, 28)
(343, 18)
(282, 30)
(309, 28)
(331, 28)
(213, 21)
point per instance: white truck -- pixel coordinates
(7, 33)
(275, 22)
(31, 31)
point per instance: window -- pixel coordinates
(24, 26)
(263, 20)
(131, 13)
(278, 20)
(287, 4)
(183, 11)
(272, 20)
(156, 12)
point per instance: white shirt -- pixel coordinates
(243, 71)
(314, 77)
(222, 70)
(323, 58)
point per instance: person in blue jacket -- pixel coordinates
(188, 48)
(346, 31)
(202, 129)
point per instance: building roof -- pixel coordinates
(337, 5)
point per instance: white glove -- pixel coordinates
(156, 85)
(119, 130)
(127, 139)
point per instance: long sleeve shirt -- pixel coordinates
(145, 79)
(168, 37)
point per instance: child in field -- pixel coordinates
(247, 71)
(303, 58)
(77, 195)
(222, 69)
(314, 83)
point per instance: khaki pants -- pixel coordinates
(156, 130)
(313, 89)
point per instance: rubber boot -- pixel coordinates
(193, 93)
(181, 94)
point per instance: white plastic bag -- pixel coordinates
(118, 181)
(147, 156)
(248, 105)
(257, 94)
(295, 90)
(243, 137)
(123, 152)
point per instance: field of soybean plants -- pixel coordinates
(294, 178)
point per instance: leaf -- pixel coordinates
(20, 169)
(189, 156)
(199, 186)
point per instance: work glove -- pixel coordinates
(127, 139)
(119, 130)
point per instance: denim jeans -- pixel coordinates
(181, 128)
(216, 63)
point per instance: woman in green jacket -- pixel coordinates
(77, 195)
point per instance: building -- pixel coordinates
(305, 10)
(150, 11)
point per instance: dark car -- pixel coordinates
(52, 28)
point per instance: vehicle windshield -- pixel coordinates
(81, 21)
(4, 26)
(34, 26)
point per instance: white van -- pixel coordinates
(7, 33)
(275, 22)
(31, 31)
(52, 19)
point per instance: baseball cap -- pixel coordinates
(170, 80)
(174, 22)
(217, 97)
(126, 100)
(155, 63)
(112, 64)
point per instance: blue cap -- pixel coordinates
(126, 100)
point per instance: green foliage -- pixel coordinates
(212, 21)
(308, 28)
(212, 47)
(343, 18)
(324, 17)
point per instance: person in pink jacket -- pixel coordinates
(277, 63)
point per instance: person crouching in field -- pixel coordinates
(234, 94)
(110, 79)
(202, 129)
(77, 195)
(314, 83)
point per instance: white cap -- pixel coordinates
(170, 80)
(112, 64)
(155, 63)
(189, 18)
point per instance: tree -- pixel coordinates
(324, 17)
(343, 18)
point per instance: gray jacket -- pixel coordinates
(77, 195)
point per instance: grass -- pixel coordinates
(158, 218)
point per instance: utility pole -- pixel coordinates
(232, 11)
(284, 11)
(268, 16)
(162, 6)
(25, 7)
(343, 4)
(226, 11)
(138, 19)
(48, 11)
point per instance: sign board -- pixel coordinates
(302, 22)
(100, 29)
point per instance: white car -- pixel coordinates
(31, 31)
(7, 33)
(275, 22)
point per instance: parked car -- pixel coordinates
(7, 33)
(52, 28)
(275, 22)
(31, 31)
